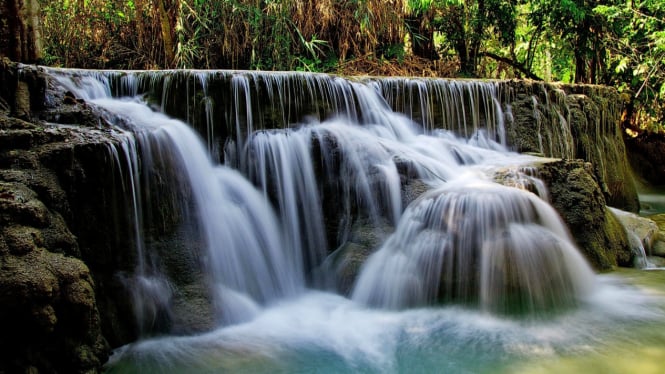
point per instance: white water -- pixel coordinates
(325, 333)
(484, 248)
(476, 241)
(244, 258)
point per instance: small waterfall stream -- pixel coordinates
(271, 204)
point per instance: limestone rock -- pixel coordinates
(658, 248)
(576, 195)
(645, 229)
(49, 319)
(574, 122)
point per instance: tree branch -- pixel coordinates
(512, 63)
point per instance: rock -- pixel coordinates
(411, 189)
(574, 122)
(346, 261)
(576, 195)
(20, 204)
(645, 229)
(658, 248)
(49, 316)
(22, 240)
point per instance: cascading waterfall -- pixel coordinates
(474, 241)
(468, 242)
(271, 159)
(464, 230)
(244, 261)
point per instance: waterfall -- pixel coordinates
(243, 259)
(473, 241)
(272, 192)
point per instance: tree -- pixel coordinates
(419, 21)
(576, 23)
(467, 24)
(20, 36)
(162, 10)
(636, 58)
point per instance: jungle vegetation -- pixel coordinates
(612, 42)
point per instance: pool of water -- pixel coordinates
(621, 329)
(652, 200)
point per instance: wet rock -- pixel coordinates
(645, 229)
(49, 317)
(22, 240)
(20, 204)
(346, 261)
(576, 195)
(411, 190)
(574, 122)
(658, 247)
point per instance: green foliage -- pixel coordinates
(636, 41)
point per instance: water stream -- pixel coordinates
(472, 276)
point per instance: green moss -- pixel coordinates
(577, 196)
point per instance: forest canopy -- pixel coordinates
(619, 43)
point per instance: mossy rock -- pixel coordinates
(576, 195)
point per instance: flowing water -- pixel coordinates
(470, 276)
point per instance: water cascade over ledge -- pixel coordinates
(265, 198)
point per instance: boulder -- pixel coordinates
(658, 247)
(577, 196)
(644, 229)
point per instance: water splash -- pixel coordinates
(477, 242)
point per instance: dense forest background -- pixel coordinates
(619, 43)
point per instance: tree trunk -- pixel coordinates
(580, 66)
(140, 28)
(582, 53)
(20, 33)
(167, 32)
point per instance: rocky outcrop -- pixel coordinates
(577, 196)
(574, 122)
(52, 277)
